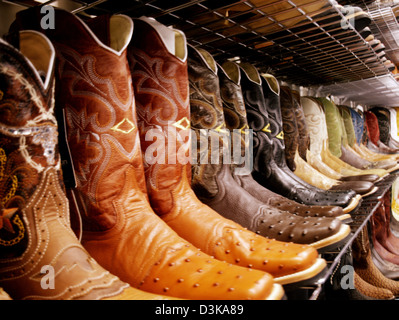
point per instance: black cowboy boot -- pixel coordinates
(236, 119)
(270, 167)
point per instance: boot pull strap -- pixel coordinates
(78, 214)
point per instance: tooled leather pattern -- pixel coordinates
(333, 127)
(38, 193)
(235, 115)
(303, 137)
(162, 95)
(290, 126)
(383, 124)
(372, 127)
(315, 121)
(272, 102)
(358, 125)
(103, 136)
(206, 112)
(257, 121)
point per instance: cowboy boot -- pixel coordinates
(309, 174)
(350, 144)
(371, 291)
(338, 142)
(159, 71)
(270, 168)
(331, 150)
(384, 124)
(365, 267)
(119, 227)
(392, 243)
(4, 295)
(213, 182)
(36, 239)
(374, 135)
(293, 117)
(386, 261)
(315, 120)
(235, 119)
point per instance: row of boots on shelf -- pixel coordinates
(373, 255)
(95, 141)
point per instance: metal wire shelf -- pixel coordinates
(304, 42)
(377, 91)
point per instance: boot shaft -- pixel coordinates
(271, 90)
(303, 134)
(207, 122)
(28, 134)
(290, 126)
(235, 117)
(257, 117)
(158, 62)
(94, 90)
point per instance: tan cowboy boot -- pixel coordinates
(40, 256)
(160, 79)
(120, 230)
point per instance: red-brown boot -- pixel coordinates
(120, 230)
(160, 80)
(40, 256)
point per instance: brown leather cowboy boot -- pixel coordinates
(119, 227)
(160, 79)
(213, 182)
(38, 249)
(235, 119)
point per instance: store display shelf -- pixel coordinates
(385, 27)
(359, 220)
(377, 91)
(307, 42)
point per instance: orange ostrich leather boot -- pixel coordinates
(40, 256)
(119, 228)
(158, 61)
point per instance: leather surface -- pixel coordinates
(119, 227)
(270, 168)
(235, 119)
(290, 126)
(365, 267)
(373, 131)
(232, 201)
(371, 291)
(303, 133)
(38, 233)
(168, 185)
